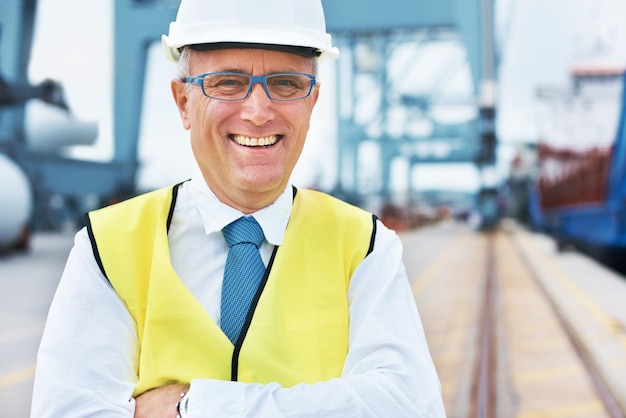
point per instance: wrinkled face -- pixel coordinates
(245, 149)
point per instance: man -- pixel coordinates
(143, 323)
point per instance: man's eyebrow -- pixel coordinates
(241, 71)
(231, 70)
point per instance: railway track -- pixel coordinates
(502, 345)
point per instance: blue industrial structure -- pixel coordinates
(379, 28)
(54, 178)
(385, 28)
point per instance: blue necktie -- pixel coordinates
(242, 274)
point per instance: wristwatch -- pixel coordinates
(181, 406)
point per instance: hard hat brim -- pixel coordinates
(300, 50)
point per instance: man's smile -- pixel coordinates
(255, 142)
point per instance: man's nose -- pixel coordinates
(258, 107)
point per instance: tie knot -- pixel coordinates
(244, 229)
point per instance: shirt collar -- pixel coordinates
(216, 215)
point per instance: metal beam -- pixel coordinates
(356, 16)
(374, 16)
(137, 25)
(16, 34)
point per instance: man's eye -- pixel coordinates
(230, 82)
(283, 82)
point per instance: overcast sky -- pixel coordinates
(541, 40)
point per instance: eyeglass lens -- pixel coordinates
(236, 86)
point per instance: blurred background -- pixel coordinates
(430, 106)
(476, 112)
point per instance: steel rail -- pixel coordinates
(483, 397)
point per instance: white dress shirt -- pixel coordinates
(88, 359)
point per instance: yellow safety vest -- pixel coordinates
(298, 331)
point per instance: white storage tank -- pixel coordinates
(16, 205)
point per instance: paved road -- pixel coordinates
(27, 285)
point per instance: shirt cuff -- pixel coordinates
(216, 398)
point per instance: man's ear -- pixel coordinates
(181, 97)
(315, 93)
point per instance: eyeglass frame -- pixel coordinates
(254, 79)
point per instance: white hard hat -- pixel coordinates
(292, 25)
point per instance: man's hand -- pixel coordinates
(159, 402)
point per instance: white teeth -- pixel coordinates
(255, 142)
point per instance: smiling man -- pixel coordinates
(248, 138)
(236, 294)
